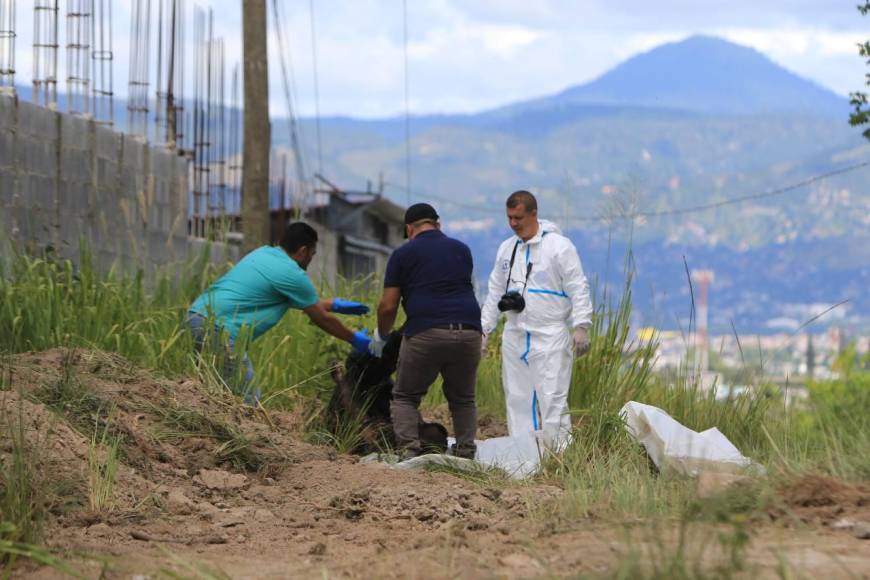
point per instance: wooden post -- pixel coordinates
(258, 141)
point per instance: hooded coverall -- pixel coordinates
(537, 345)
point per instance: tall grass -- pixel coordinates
(23, 495)
(45, 304)
(103, 462)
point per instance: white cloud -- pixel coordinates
(505, 41)
(467, 56)
(828, 57)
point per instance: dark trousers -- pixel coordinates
(455, 355)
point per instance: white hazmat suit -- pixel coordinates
(537, 345)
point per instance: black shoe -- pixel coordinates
(464, 451)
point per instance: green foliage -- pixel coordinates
(102, 470)
(858, 99)
(23, 495)
(692, 552)
(347, 432)
(838, 425)
(69, 397)
(47, 305)
(11, 550)
(26, 495)
(235, 447)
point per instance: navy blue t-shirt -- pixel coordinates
(433, 273)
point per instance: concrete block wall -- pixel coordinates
(65, 180)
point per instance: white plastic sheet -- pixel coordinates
(518, 457)
(674, 447)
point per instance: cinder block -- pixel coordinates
(75, 131)
(73, 196)
(41, 156)
(37, 121)
(76, 165)
(7, 187)
(134, 153)
(39, 192)
(7, 148)
(8, 107)
(22, 224)
(71, 230)
(108, 142)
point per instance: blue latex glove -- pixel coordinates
(361, 341)
(342, 306)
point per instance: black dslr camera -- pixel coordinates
(513, 300)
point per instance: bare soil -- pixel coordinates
(276, 507)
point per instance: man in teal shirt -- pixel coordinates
(256, 293)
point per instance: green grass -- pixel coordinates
(235, 447)
(67, 396)
(103, 462)
(23, 493)
(46, 304)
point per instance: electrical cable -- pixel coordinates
(316, 87)
(663, 213)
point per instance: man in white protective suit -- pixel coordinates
(538, 282)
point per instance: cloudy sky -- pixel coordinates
(469, 55)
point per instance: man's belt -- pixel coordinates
(456, 326)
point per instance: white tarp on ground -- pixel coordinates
(518, 457)
(673, 446)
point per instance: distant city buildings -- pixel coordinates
(775, 357)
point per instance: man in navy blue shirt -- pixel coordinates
(431, 276)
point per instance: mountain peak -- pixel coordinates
(704, 74)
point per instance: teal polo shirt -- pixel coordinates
(257, 292)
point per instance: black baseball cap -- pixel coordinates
(419, 211)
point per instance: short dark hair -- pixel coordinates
(524, 198)
(297, 235)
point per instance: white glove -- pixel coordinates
(376, 346)
(581, 341)
(484, 339)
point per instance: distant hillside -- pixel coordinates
(685, 124)
(689, 123)
(702, 74)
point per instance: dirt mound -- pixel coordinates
(162, 425)
(196, 468)
(206, 486)
(821, 500)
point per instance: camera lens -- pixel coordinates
(512, 301)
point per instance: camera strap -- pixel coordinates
(507, 282)
(511, 269)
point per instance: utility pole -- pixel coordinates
(258, 140)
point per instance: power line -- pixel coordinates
(316, 87)
(660, 213)
(772, 193)
(289, 82)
